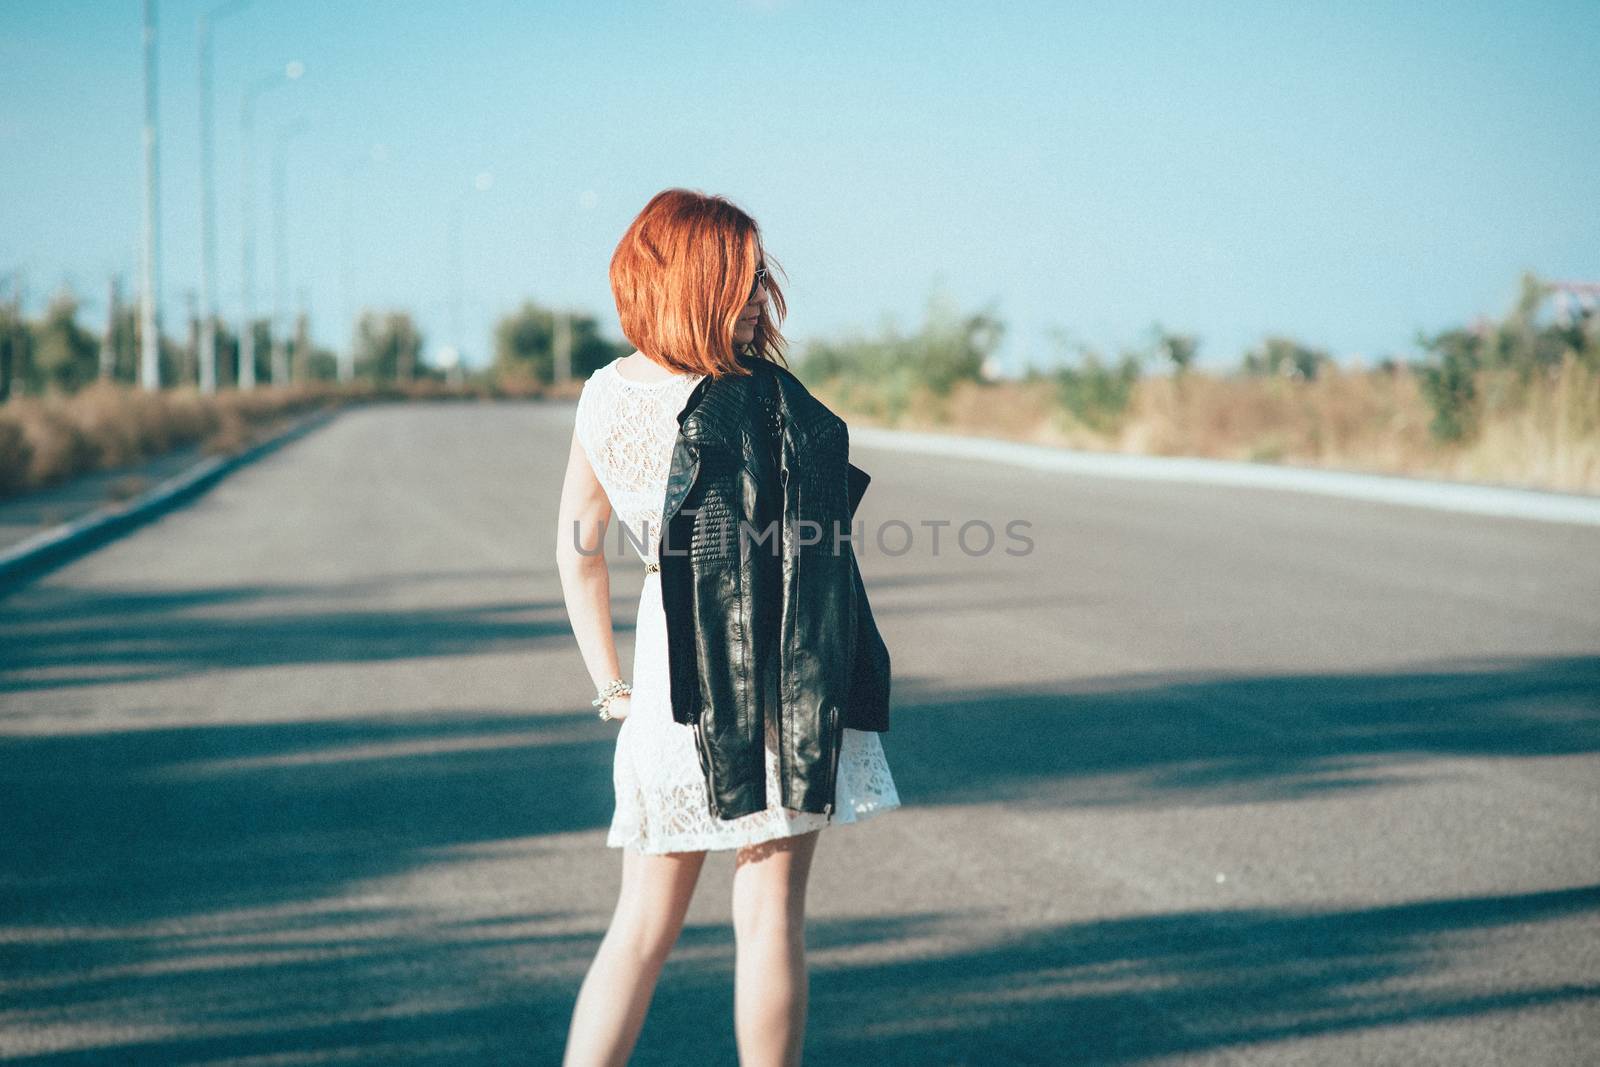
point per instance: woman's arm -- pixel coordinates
(584, 513)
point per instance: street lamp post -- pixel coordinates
(149, 327)
(247, 118)
(455, 354)
(347, 352)
(280, 252)
(208, 236)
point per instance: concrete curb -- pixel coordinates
(1499, 501)
(50, 548)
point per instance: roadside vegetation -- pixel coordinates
(71, 405)
(1513, 401)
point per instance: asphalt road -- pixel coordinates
(305, 772)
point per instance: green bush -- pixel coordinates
(950, 346)
(1494, 364)
(1449, 384)
(1284, 357)
(1096, 392)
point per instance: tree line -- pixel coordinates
(538, 345)
(1519, 349)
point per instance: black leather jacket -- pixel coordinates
(765, 619)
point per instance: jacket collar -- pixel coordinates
(714, 416)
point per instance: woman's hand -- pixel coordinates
(620, 707)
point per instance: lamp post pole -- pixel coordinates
(149, 328)
(280, 252)
(455, 354)
(208, 235)
(347, 351)
(247, 119)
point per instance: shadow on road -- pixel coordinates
(1168, 739)
(201, 879)
(142, 635)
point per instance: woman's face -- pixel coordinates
(744, 331)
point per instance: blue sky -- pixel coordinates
(1346, 173)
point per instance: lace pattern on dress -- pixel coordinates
(628, 430)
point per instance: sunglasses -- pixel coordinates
(761, 276)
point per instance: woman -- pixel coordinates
(692, 291)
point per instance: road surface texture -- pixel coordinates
(305, 772)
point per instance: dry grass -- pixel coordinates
(1548, 436)
(1545, 435)
(106, 426)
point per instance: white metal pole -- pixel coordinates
(149, 329)
(280, 253)
(345, 347)
(108, 339)
(247, 124)
(208, 201)
(247, 265)
(208, 330)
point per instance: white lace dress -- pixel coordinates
(628, 429)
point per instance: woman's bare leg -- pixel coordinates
(769, 916)
(616, 992)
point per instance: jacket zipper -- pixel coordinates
(705, 763)
(833, 763)
(784, 725)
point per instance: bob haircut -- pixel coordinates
(682, 275)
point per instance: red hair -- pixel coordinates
(681, 276)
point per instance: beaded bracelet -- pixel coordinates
(613, 689)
